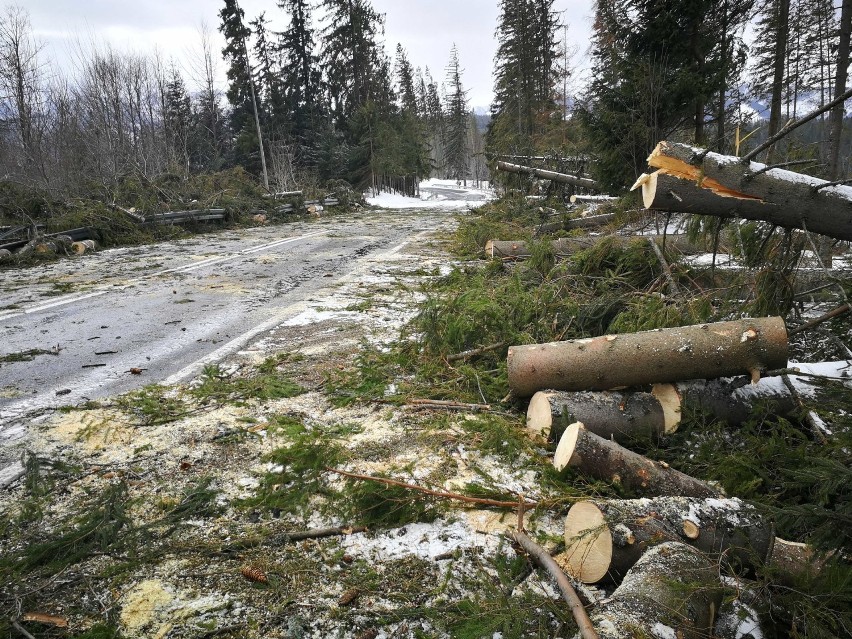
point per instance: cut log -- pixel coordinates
(610, 414)
(625, 415)
(603, 459)
(721, 349)
(562, 178)
(592, 198)
(83, 246)
(673, 591)
(604, 539)
(5, 253)
(519, 249)
(790, 200)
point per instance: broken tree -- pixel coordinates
(600, 458)
(562, 178)
(749, 190)
(721, 349)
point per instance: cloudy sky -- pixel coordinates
(426, 28)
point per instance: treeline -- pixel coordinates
(314, 103)
(680, 71)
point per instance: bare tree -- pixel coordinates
(21, 82)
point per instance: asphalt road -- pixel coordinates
(168, 308)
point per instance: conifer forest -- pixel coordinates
(301, 339)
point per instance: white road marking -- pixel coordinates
(186, 268)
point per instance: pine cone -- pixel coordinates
(253, 573)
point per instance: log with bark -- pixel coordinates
(83, 246)
(620, 416)
(520, 249)
(721, 349)
(784, 198)
(673, 591)
(637, 414)
(599, 458)
(562, 178)
(592, 198)
(590, 221)
(605, 538)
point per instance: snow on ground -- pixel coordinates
(437, 194)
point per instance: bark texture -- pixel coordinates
(605, 538)
(562, 178)
(610, 414)
(721, 349)
(519, 249)
(794, 200)
(603, 459)
(673, 591)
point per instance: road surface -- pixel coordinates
(169, 308)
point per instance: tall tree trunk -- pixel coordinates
(782, 26)
(836, 118)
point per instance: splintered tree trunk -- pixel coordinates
(622, 416)
(721, 349)
(519, 249)
(790, 200)
(563, 178)
(603, 459)
(673, 591)
(604, 539)
(610, 414)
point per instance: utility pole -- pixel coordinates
(256, 114)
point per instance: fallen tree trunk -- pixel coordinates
(604, 539)
(625, 415)
(721, 349)
(519, 249)
(83, 246)
(673, 591)
(591, 221)
(592, 198)
(562, 178)
(788, 199)
(603, 459)
(664, 192)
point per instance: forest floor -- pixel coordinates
(171, 511)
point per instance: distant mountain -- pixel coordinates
(806, 103)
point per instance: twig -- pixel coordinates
(780, 165)
(21, 629)
(434, 493)
(319, 533)
(809, 416)
(438, 403)
(673, 287)
(835, 183)
(543, 559)
(474, 352)
(840, 310)
(788, 129)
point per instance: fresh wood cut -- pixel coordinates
(754, 191)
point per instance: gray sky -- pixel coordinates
(426, 28)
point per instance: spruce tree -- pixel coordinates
(457, 113)
(301, 78)
(239, 92)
